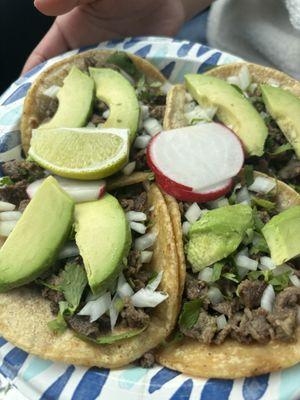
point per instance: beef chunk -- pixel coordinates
(20, 170)
(284, 322)
(157, 112)
(223, 334)
(82, 325)
(250, 293)
(97, 119)
(147, 360)
(288, 298)
(134, 318)
(140, 158)
(135, 272)
(136, 202)
(140, 202)
(228, 308)
(127, 204)
(23, 204)
(55, 297)
(204, 330)
(47, 107)
(14, 193)
(290, 170)
(195, 288)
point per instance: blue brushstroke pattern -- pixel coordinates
(254, 388)
(209, 63)
(184, 391)
(168, 69)
(34, 70)
(131, 42)
(202, 50)
(217, 389)
(163, 376)
(2, 341)
(144, 51)
(13, 362)
(9, 140)
(85, 48)
(114, 42)
(34, 367)
(184, 49)
(53, 392)
(130, 376)
(289, 383)
(19, 93)
(91, 384)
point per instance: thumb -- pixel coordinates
(58, 7)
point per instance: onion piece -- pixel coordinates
(144, 111)
(138, 227)
(267, 262)
(156, 281)
(141, 142)
(186, 227)
(146, 256)
(145, 241)
(222, 202)
(123, 287)
(295, 280)
(152, 126)
(129, 168)
(96, 308)
(268, 298)
(91, 125)
(242, 272)
(6, 227)
(136, 216)
(166, 87)
(114, 311)
(146, 297)
(206, 274)
(244, 77)
(243, 196)
(5, 206)
(69, 250)
(221, 322)
(262, 185)
(188, 97)
(10, 215)
(106, 113)
(234, 80)
(246, 262)
(214, 294)
(193, 213)
(52, 91)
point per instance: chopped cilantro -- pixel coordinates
(263, 203)
(5, 180)
(280, 282)
(59, 325)
(282, 149)
(248, 174)
(121, 60)
(230, 276)
(73, 283)
(190, 313)
(258, 224)
(259, 245)
(217, 269)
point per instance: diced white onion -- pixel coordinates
(223, 201)
(199, 113)
(69, 250)
(138, 227)
(244, 77)
(166, 87)
(244, 252)
(215, 296)
(146, 256)
(155, 283)
(246, 262)
(234, 80)
(188, 107)
(262, 185)
(136, 216)
(5, 206)
(113, 311)
(6, 227)
(91, 125)
(10, 215)
(106, 113)
(152, 126)
(188, 97)
(129, 168)
(221, 322)
(281, 269)
(144, 111)
(242, 272)
(268, 298)
(252, 87)
(206, 274)
(193, 213)
(146, 297)
(267, 262)
(52, 91)
(145, 241)
(123, 287)
(96, 308)
(141, 142)
(186, 227)
(295, 280)
(243, 196)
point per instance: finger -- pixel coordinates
(58, 7)
(52, 44)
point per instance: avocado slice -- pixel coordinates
(284, 107)
(120, 97)
(217, 234)
(103, 237)
(233, 109)
(33, 245)
(75, 101)
(282, 235)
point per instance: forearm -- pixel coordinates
(193, 7)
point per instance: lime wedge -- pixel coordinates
(80, 153)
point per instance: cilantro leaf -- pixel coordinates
(280, 282)
(73, 283)
(263, 203)
(59, 325)
(230, 276)
(254, 275)
(248, 174)
(258, 224)
(190, 313)
(5, 180)
(121, 60)
(217, 269)
(259, 245)
(282, 149)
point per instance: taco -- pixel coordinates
(64, 309)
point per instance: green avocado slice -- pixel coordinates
(75, 101)
(284, 107)
(217, 234)
(282, 234)
(33, 245)
(120, 96)
(233, 110)
(104, 238)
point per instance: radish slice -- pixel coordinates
(198, 158)
(80, 191)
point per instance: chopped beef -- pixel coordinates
(97, 119)
(250, 293)
(157, 111)
(133, 201)
(140, 158)
(140, 202)
(82, 325)
(134, 318)
(20, 170)
(127, 204)
(104, 324)
(195, 288)
(284, 322)
(135, 272)
(290, 170)
(288, 298)
(228, 308)
(92, 61)
(264, 216)
(222, 335)
(23, 204)
(47, 107)
(14, 193)
(53, 295)
(204, 329)
(147, 360)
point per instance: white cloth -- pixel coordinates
(261, 31)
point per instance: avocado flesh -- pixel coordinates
(233, 110)
(217, 234)
(284, 108)
(119, 95)
(282, 235)
(75, 101)
(103, 237)
(32, 246)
